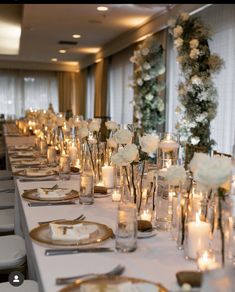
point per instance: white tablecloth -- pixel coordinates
(156, 259)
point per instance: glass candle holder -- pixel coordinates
(168, 151)
(86, 196)
(116, 195)
(64, 167)
(206, 260)
(51, 155)
(146, 214)
(43, 147)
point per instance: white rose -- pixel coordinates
(149, 143)
(112, 143)
(194, 53)
(110, 125)
(146, 66)
(198, 159)
(184, 16)
(201, 117)
(133, 59)
(149, 96)
(195, 140)
(193, 43)
(94, 125)
(123, 136)
(178, 42)
(82, 133)
(129, 153)
(196, 80)
(215, 172)
(139, 82)
(147, 77)
(176, 175)
(117, 159)
(177, 31)
(145, 51)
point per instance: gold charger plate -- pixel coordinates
(23, 173)
(105, 280)
(42, 234)
(32, 195)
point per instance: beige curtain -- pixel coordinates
(101, 75)
(67, 90)
(81, 89)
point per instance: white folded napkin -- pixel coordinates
(24, 153)
(58, 193)
(123, 287)
(37, 172)
(71, 231)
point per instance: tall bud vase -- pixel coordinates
(222, 228)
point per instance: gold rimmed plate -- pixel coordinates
(42, 234)
(104, 282)
(33, 195)
(36, 173)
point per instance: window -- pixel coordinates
(120, 94)
(20, 90)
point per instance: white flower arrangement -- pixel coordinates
(197, 93)
(176, 175)
(148, 89)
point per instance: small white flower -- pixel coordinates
(184, 16)
(129, 153)
(196, 80)
(139, 82)
(195, 140)
(201, 117)
(112, 143)
(194, 53)
(145, 51)
(193, 43)
(147, 77)
(146, 66)
(177, 31)
(149, 96)
(94, 125)
(133, 59)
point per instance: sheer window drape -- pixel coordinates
(20, 90)
(90, 93)
(221, 19)
(120, 94)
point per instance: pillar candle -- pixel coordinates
(108, 176)
(146, 215)
(198, 236)
(116, 196)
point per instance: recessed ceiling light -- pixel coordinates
(62, 51)
(102, 8)
(76, 36)
(54, 59)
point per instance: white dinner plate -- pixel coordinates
(146, 234)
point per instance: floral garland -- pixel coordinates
(148, 104)
(197, 94)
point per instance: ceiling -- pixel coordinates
(44, 25)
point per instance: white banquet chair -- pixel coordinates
(6, 175)
(6, 222)
(7, 200)
(12, 254)
(27, 286)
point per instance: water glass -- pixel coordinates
(86, 196)
(126, 229)
(64, 167)
(43, 147)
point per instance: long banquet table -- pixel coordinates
(156, 259)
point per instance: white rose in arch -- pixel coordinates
(110, 125)
(149, 143)
(184, 16)
(215, 172)
(194, 53)
(145, 51)
(193, 43)
(139, 82)
(112, 143)
(176, 175)
(149, 96)
(177, 31)
(178, 43)
(195, 140)
(196, 80)
(146, 66)
(123, 136)
(147, 77)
